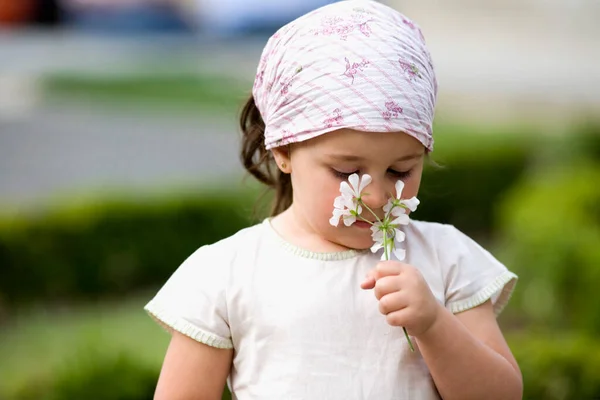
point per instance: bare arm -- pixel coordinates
(193, 371)
(468, 357)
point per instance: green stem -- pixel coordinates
(385, 245)
(362, 203)
(387, 257)
(412, 349)
(364, 220)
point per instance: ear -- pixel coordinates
(282, 159)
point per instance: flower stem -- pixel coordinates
(387, 250)
(362, 203)
(385, 245)
(387, 257)
(412, 349)
(364, 220)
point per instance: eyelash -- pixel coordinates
(397, 174)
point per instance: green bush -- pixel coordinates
(472, 172)
(558, 367)
(112, 248)
(95, 376)
(550, 225)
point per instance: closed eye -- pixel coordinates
(392, 172)
(343, 175)
(399, 174)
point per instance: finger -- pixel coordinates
(368, 283)
(387, 268)
(386, 285)
(397, 318)
(392, 303)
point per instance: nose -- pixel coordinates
(375, 196)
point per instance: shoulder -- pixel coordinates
(448, 243)
(430, 229)
(243, 240)
(433, 236)
(227, 251)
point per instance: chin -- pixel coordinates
(358, 243)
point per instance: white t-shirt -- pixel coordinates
(299, 323)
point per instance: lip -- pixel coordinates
(362, 225)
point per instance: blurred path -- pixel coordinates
(71, 150)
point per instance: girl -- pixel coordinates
(295, 308)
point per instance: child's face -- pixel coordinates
(319, 165)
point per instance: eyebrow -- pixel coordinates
(351, 157)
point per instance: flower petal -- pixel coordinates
(364, 182)
(339, 202)
(411, 203)
(399, 189)
(388, 206)
(377, 236)
(376, 247)
(399, 236)
(400, 254)
(402, 219)
(377, 233)
(354, 183)
(346, 190)
(398, 211)
(349, 219)
(335, 220)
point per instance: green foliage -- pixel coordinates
(96, 375)
(560, 367)
(551, 231)
(111, 248)
(36, 343)
(182, 90)
(473, 170)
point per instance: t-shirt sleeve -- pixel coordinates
(193, 301)
(473, 276)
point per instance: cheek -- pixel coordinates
(316, 189)
(325, 192)
(412, 184)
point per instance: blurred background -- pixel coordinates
(118, 158)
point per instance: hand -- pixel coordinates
(404, 296)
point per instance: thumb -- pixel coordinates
(369, 282)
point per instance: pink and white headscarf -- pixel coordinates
(352, 64)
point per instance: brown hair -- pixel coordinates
(258, 160)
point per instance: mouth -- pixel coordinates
(362, 224)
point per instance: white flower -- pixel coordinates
(346, 208)
(356, 186)
(394, 237)
(398, 205)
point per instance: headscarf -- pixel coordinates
(355, 64)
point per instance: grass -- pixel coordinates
(37, 343)
(183, 91)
